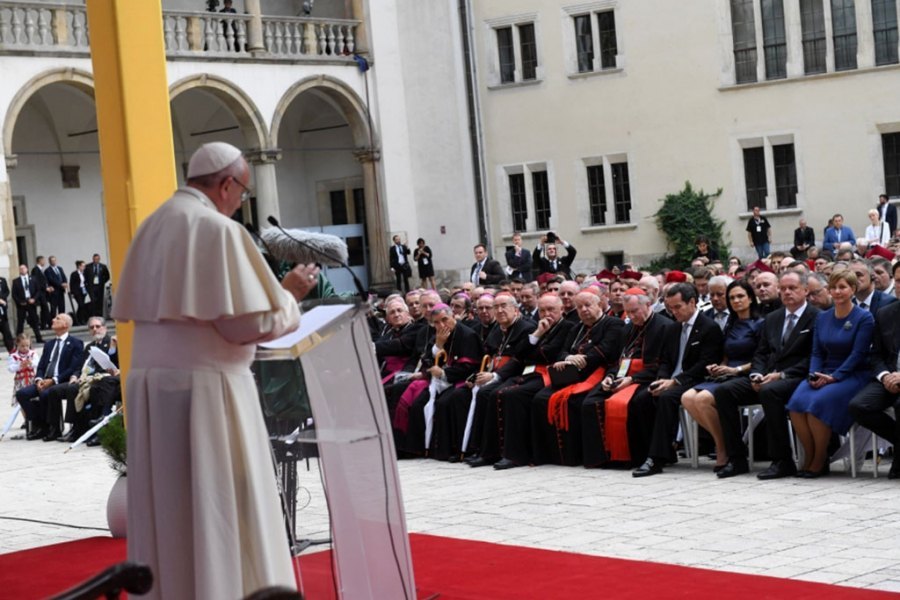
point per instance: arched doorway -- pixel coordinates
(327, 172)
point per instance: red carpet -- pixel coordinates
(451, 569)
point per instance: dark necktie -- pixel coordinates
(792, 321)
(54, 358)
(682, 345)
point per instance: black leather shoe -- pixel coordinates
(504, 464)
(735, 466)
(93, 441)
(470, 459)
(36, 434)
(777, 470)
(52, 434)
(68, 438)
(480, 462)
(650, 467)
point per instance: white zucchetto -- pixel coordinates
(211, 158)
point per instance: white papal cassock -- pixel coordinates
(203, 508)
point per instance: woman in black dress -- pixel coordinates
(422, 256)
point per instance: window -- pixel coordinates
(608, 47)
(774, 40)
(755, 177)
(584, 43)
(597, 194)
(843, 22)
(884, 24)
(541, 190)
(622, 192)
(743, 28)
(529, 51)
(594, 38)
(507, 55)
(518, 201)
(812, 22)
(785, 175)
(515, 43)
(338, 208)
(890, 147)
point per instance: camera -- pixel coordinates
(551, 237)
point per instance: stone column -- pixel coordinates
(376, 230)
(361, 34)
(254, 30)
(265, 181)
(9, 259)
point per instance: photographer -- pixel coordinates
(547, 259)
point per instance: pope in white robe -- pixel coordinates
(203, 506)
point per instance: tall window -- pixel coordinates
(890, 147)
(518, 201)
(743, 29)
(608, 47)
(338, 208)
(584, 43)
(812, 22)
(755, 176)
(621, 192)
(774, 40)
(541, 190)
(597, 194)
(785, 175)
(884, 23)
(507, 55)
(843, 22)
(529, 51)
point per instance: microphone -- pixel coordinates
(330, 257)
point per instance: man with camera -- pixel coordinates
(546, 256)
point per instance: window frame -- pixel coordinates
(603, 58)
(527, 70)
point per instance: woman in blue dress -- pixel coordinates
(837, 370)
(741, 338)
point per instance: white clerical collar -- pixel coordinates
(203, 198)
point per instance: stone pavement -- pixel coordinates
(834, 530)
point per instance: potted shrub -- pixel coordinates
(113, 441)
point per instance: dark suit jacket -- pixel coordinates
(70, 358)
(4, 295)
(880, 300)
(75, 286)
(103, 345)
(491, 269)
(791, 358)
(804, 236)
(890, 216)
(18, 290)
(101, 270)
(521, 264)
(704, 347)
(38, 275)
(563, 263)
(395, 260)
(56, 277)
(886, 339)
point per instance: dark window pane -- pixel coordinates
(584, 43)
(507, 55)
(755, 177)
(774, 40)
(785, 175)
(812, 21)
(608, 46)
(338, 208)
(517, 201)
(621, 192)
(743, 28)
(359, 204)
(884, 21)
(890, 147)
(541, 190)
(843, 21)
(529, 51)
(597, 194)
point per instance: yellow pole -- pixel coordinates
(135, 127)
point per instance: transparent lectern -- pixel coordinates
(330, 362)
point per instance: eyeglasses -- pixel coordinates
(95, 326)
(245, 195)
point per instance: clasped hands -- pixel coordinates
(579, 360)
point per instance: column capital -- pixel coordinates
(263, 156)
(365, 155)
(12, 161)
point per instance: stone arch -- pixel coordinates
(345, 99)
(252, 125)
(77, 78)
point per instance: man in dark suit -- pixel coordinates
(398, 254)
(687, 350)
(868, 406)
(804, 239)
(8, 340)
(518, 259)
(485, 270)
(78, 287)
(98, 276)
(547, 259)
(60, 359)
(56, 279)
(44, 289)
(887, 212)
(867, 296)
(780, 363)
(25, 290)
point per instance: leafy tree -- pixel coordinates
(684, 216)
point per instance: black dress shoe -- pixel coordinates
(480, 462)
(650, 467)
(504, 464)
(718, 468)
(454, 458)
(36, 434)
(471, 459)
(52, 434)
(777, 470)
(68, 438)
(736, 466)
(93, 441)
